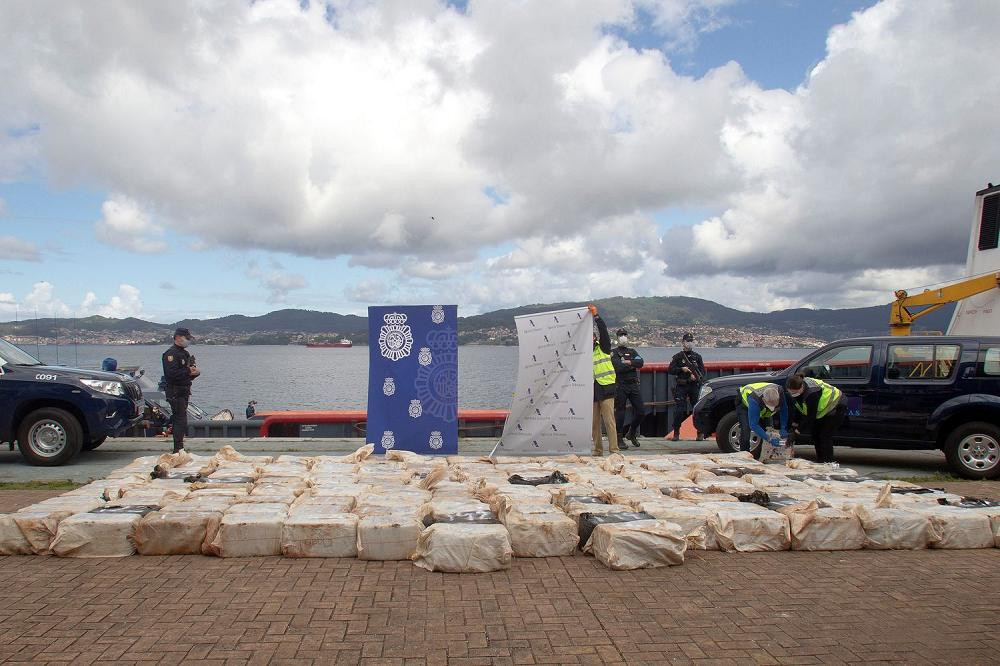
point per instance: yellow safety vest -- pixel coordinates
(604, 370)
(757, 389)
(828, 399)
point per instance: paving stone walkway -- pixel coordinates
(768, 608)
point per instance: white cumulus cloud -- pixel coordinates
(15, 249)
(415, 137)
(124, 224)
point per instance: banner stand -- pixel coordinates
(552, 406)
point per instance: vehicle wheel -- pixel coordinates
(93, 444)
(49, 437)
(973, 450)
(727, 435)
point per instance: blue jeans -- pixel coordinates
(744, 417)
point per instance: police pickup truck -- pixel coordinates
(52, 412)
(929, 392)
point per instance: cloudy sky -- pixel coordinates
(196, 158)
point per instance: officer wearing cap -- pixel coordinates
(627, 362)
(179, 370)
(688, 368)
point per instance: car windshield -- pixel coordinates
(14, 356)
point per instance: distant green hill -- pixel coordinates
(674, 312)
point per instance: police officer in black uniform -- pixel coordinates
(689, 369)
(627, 362)
(179, 370)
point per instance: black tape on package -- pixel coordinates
(137, 509)
(589, 521)
(226, 479)
(914, 491)
(735, 471)
(554, 477)
(970, 503)
(756, 497)
(475, 517)
(584, 499)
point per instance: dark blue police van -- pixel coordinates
(914, 392)
(52, 412)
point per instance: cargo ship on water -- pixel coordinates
(343, 343)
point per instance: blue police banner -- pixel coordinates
(413, 378)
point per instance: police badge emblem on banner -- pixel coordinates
(413, 378)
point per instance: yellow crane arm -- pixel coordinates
(901, 318)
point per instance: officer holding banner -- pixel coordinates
(604, 387)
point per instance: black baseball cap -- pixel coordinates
(621, 331)
(687, 338)
(184, 333)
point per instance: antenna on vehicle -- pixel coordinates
(37, 350)
(57, 337)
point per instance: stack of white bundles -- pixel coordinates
(390, 500)
(747, 528)
(292, 470)
(308, 461)
(451, 489)
(517, 496)
(250, 529)
(890, 528)
(155, 496)
(694, 519)
(331, 503)
(388, 536)
(103, 532)
(700, 496)
(463, 548)
(559, 492)
(228, 454)
(548, 533)
(638, 544)
(358, 456)
(314, 530)
(39, 522)
(236, 472)
(728, 485)
(110, 489)
(823, 528)
(182, 528)
(326, 467)
(273, 493)
(397, 455)
(701, 476)
(957, 527)
(575, 509)
(12, 541)
(455, 510)
(232, 494)
(632, 497)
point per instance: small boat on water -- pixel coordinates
(340, 344)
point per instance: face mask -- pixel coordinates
(795, 395)
(688, 346)
(183, 343)
(622, 339)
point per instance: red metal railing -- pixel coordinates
(466, 416)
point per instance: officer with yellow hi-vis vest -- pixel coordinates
(758, 403)
(604, 387)
(820, 409)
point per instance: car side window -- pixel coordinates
(852, 363)
(918, 363)
(989, 363)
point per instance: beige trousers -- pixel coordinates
(605, 409)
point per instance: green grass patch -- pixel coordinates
(64, 484)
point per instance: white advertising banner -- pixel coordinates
(553, 403)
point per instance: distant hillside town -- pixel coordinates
(651, 321)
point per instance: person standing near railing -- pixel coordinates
(689, 369)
